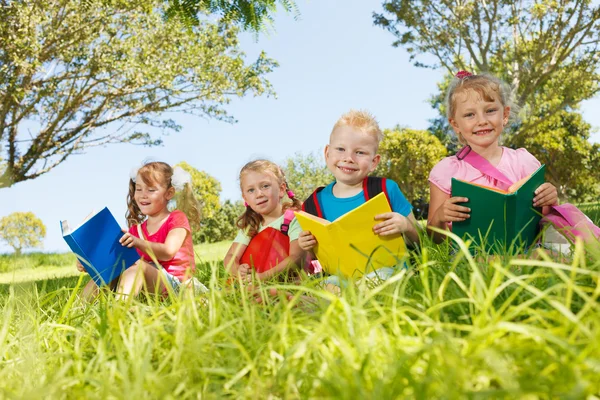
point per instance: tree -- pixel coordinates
(407, 157)
(546, 50)
(22, 230)
(220, 226)
(206, 189)
(250, 14)
(305, 173)
(72, 77)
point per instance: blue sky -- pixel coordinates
(331, 59)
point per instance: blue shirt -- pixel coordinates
(334, 207)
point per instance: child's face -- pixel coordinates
(262, 192)
(151, 199)
(351, 154)
(480, 122)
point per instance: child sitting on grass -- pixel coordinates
(351, 156)
(166, 236)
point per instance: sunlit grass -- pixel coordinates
(460, 327)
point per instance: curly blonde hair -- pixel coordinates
(160, 173)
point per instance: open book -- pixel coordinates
(348, 245)
(500, 218)
(96, 244)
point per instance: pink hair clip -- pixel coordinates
(245, 204)
(463, 74)
(290, 194)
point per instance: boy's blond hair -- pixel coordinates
(363, 120)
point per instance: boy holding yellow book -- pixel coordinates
(351, 155)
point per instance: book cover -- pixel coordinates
(348, 245)
(96, 244)
(500, 219)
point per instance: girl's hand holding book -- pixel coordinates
(451, 212)
(128, 240)
(545, 195)
(80, 267)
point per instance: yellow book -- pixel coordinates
(348, 245)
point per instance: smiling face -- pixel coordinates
(480, 122)
(351, 154)
(262, 192)
(152, 199)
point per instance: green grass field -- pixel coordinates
(452, 326)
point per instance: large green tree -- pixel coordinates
(547, 50)
(22, 230)
(305, 173)
(252, 15)
(74, 76)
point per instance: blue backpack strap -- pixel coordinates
(311, 204)
(288, 216)
(373, 185)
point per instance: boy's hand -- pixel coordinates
(80, 267)
(306, 241)
(128, 240)
(393, 223)
(451, 212)
(545, 195)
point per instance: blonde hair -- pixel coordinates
(487, 86)
(160, 173)
(363, 120)
(250, 220)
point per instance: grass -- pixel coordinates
(452, 326)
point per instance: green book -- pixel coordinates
(500, 220)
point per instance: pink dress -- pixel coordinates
(515, 164)
(182, 263)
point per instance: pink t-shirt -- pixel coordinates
(515, 164)
(183, 261)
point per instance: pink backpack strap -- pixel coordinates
(482, 165)
(572, 222)
(288, 216)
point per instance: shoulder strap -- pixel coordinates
(288, 216)
(140, 232)
(311, 204)
(373, 185)
(483, 165)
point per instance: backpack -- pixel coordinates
(572, 223)
(269, 247)
(372, 186)
(567, 219)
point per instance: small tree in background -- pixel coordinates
(221, 225)
(22, 230)
(407, 157)
(305, 173)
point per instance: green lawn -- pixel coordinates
(43, 266)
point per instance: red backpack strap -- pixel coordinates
(311, 204)
(288, 216)
(373, 185)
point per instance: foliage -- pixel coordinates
(305, 173)
(72, 77)
(206, 189)
(461, 328)
(221, 225)
(13, 262)
(22, 230)
(546, 50)
(407, 157)
(250, 14)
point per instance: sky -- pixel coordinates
(331, 59)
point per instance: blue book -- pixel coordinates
(96, 244)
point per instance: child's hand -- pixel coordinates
(80, 267)
(128, 240)
(451, 212)
(545, 195)
(244, 270)
(394, 223)
(306, 241)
